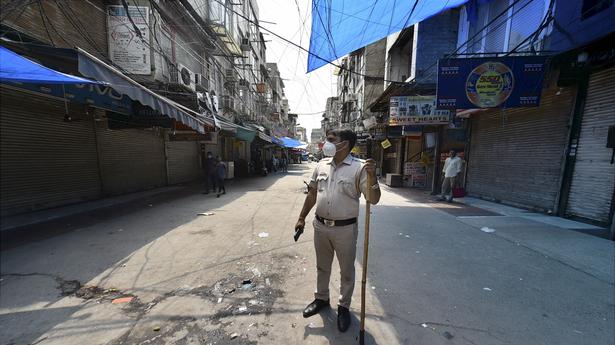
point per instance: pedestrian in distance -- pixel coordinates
(220, 176)
(209, 165)
(335, 188)
(452, 168)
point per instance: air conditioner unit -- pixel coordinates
(185, 77)
(245, 44)
(244, 84)
(228, 102)
(202, 83)
(230, 75)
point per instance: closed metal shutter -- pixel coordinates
(45, 161)
(131, 160)
(593, 180)
(183, 161)
(516, 154)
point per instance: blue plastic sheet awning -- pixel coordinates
(93, 67)
(292, 143)
(16, 68)
(340, 27)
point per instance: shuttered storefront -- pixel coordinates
(516, 154)
(131, 160)
(183, 161)
(45, 161)
(593, 180)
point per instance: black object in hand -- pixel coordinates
(298, 232)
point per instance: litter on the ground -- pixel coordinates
(234, 335)
(242, 309)
(219, 300)
(424, 325)
(157, 328)
(487, 230)
(373, 288)
(122, 300)
(263, 234)
(206, 214)
(251, 325)
(294, 325)
(487, 289)
(407, 236)
(267, 281)
(246, 284)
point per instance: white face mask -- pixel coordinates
(329, 149)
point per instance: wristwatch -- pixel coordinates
(375, 186)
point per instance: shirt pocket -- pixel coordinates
(321, 181)
(349, 187)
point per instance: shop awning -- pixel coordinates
(16, 68)
(293, 143)
(91, 66)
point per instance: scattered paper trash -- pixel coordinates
(242, 309)
(122, 300)
(157, 328)
(448, 335)
(312, 325)
(424, 325)
(294, 325)
(234, 335)
(400, 234)
(407, 236)
(219, 299)
(267, 281)
(373, 288)
(251, 325)
(263, 234)
(487, 289)
(578, 332)
(206, 214)
(487, 230)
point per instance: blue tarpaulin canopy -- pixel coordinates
(293, 143)
(340, 27)
(16, 68)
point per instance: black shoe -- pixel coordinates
(343, 318)
(314, 307)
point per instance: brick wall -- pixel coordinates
(70, 23)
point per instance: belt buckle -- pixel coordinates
(329, 222)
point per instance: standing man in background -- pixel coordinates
(452, 168)
(209, 165)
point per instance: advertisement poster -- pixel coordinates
(416, 110)
(126, 49)
(490, 82)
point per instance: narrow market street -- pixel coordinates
(186, 268)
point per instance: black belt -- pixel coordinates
(329, 222)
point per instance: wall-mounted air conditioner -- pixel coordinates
(201, 82)
(185, 77)
(245, 44)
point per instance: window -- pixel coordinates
(496, 32)
(592, 7)
(525, 20)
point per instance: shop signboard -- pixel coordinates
(386, 144)
(416, 110)
(96, 95)
(128, 48)
(490, 82)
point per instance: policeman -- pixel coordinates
(335, 188)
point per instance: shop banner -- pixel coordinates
(127, 48)
(416, 110)
(490, 82)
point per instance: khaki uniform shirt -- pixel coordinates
(339, 187)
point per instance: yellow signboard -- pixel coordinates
(386, 144)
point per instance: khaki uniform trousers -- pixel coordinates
(341, 240)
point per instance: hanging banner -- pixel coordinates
(127, 49)
(416, 110)
(490, 82)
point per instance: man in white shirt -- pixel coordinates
(452, 168)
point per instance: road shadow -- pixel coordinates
(329, 331)
(76, 249)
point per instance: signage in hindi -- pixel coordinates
(128, 49)
(416, 110)
(490, 82)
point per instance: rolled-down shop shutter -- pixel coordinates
(183, 161)
(132, 160)
(516, 154)
(45, 161)
(593, 180)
